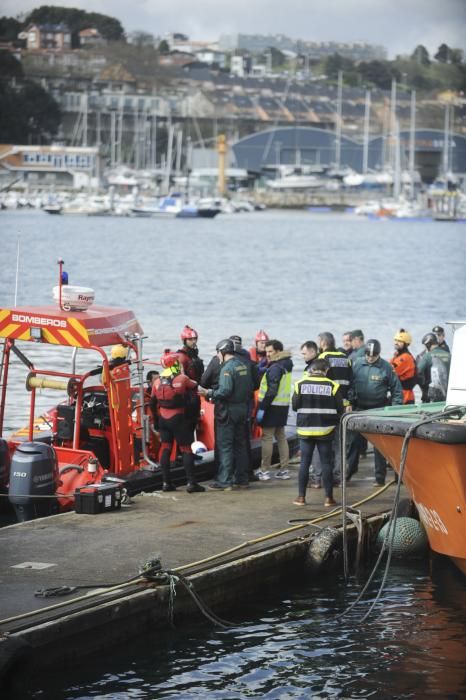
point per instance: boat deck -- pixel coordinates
(181, 529)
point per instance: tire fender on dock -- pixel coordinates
(324, 551)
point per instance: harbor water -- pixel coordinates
(297, 647)
(293, 274)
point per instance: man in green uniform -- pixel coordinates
(375, 385)
(433, 368)
(231, 411)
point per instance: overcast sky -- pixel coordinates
(399, 25)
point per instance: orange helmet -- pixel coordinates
(261, 335)
(188, 333)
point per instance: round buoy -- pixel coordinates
(409, 539)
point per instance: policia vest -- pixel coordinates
(340, 369)
(318, 402)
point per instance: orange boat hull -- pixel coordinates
(435, 476)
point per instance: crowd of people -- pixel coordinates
(256, 385)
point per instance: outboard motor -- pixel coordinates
(4, 473)
(33, 472)
(4, 465)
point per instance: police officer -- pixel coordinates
(433, 368)
(340, 371)
(309, 352)
(375, 385)
(231, 410)
(440, 333)
(339, 364)
(318, 403)
(357, 343)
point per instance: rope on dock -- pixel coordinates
(387, 544)
(177, 571)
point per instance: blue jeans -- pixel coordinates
(324, 448)
(336, 466)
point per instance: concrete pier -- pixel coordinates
(230, 546)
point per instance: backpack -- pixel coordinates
(438, 379)
(167, 396)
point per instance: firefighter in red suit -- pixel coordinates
(170, 396)
(257, 352)
(193, 367)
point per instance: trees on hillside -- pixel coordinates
(76, 20)
(28, 115)
(420, 55)
(9, 28)
(10, 67)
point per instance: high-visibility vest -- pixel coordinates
(317, 413)
(282, 397)
(340, 369)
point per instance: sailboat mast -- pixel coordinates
(338, 124)
(412, 141)
(365, 152)
(446, 139)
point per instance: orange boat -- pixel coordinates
(426, 445)
(97, 439)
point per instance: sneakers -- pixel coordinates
(168, 486)
(299, 501)
(240, 486)
(195, 488)
(282, 474)
(329, 502)
(218, 487)
(378, 484)
(263, 476)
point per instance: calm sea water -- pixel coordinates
(297, 648)
(294, 274)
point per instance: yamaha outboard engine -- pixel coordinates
(33, 474)
(4, 473)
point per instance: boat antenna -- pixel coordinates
(60, 263)
(17, 271)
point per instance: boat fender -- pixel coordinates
(324, 551)
(15, 652)
(409, 539)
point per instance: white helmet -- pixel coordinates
(198, 447)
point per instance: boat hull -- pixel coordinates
(434, 472)
(435, 476)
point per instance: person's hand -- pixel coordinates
(348, 409)
(260, 416)
(201, 391)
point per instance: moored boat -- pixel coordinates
(97, 435)
(426, 445)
